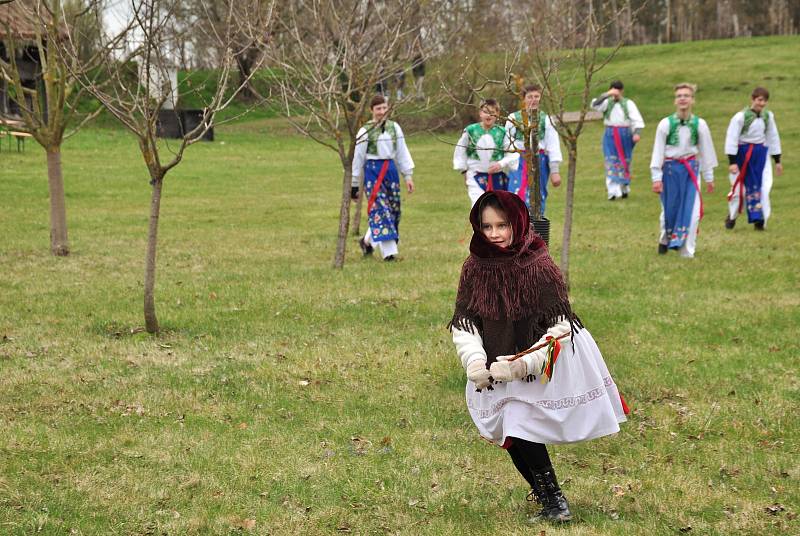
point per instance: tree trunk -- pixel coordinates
(344, 220)
(59, 245)
(355, 225)
(150, 320)
(245, 62)
(568, 204)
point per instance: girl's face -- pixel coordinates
(495, 227)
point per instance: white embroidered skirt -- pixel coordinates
(581, 402)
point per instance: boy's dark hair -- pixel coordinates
(760, 92)
(376, 100)
(530, 88)
(489, 103)
(616, 84)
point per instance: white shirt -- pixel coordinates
(386, 151)
(549, 142)
(704, 150)
(617, 116)
(755, 134)
(485, 147)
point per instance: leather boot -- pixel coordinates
(554, 505)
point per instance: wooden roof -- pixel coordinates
(20, 18)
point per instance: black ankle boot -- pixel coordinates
(554, 505)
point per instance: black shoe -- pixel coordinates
(759, 225)
(624, 195)
(612, 198)
(366, 249)
(390, 258)
(729, 223)
(662, 249)
(555, 507)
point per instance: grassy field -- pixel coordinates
(287, 398)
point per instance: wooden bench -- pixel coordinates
(20, 137)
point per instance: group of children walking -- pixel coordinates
(535, 375)
(492, 158)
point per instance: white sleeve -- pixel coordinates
(773, 138)
(600, 107)
(460, 153)
(552, 142)
(637, 122)
(403, 157)
(708, 156)
(359, 156)
(659, 146)
(510, 160)
(732, 136)
(469, 346)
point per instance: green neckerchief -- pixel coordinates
(623, 103)
(374, 130)
(516, 120)
(749, 117)
(476, 130)
(675, 122)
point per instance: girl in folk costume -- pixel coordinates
(682, 150)
(512, 298)
(484, 154)
(380, 152)
(549, 148)
(623, 124)
(752, 137)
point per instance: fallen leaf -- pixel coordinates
(242, 426)
(687, 528)
(775, 509)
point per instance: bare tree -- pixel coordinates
(48, 105)
(140, 74)
(331, 55)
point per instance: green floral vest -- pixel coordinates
(373, 131)
(749, 117)
(516, 119)
(475, 131)
(675, 122)
(612, 103)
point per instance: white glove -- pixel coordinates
(503, 370)
(478, 373)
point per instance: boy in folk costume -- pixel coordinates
(549, 148)
(682, 150)
(623, 124)
(512, 298)
(381, 152)
(484, 154)
(752, 138)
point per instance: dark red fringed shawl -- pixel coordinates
(510, 295)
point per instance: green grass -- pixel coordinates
(312, 401)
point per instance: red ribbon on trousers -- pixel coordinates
(688, 166)
(620, 151)
(739, 182)
(377, 187)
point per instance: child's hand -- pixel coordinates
(478, 373)
(508, 371)
(494, 167)
(555, 178)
